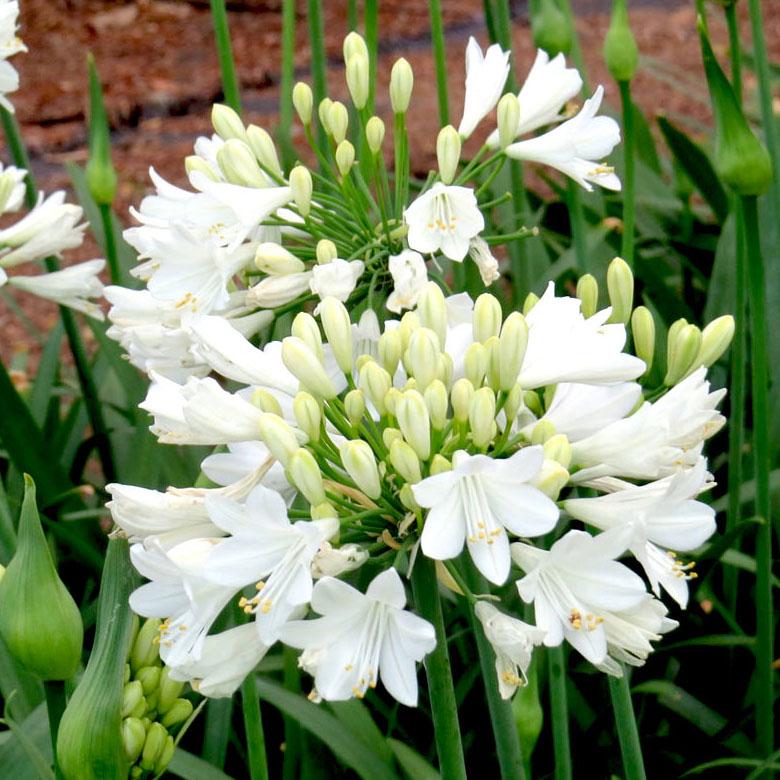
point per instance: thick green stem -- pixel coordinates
(628, 734)
(319, 64)
(440, 58)
(578, 227)
(227, 66)
(112, 252)
(55, 706)
(761, 452)
(735, 50)
(439, 674)
(253, 726)
(559, 709)
(284, 130)
(371, 18)
(629, 204)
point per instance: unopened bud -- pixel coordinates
(448, 153)
(132, 694)
(405, 461)
(620, 50)
(323, 111)
(149, 677)
(392, 398)
(133, 738)
(508, 117)
(409, 322)
(551, 479)
(302, 187)
(550, 28)
(389, 435)
(375, 134)
(359, 461)
(493, 373)
(345, 157)
(307, 368)
(422, 356)
(715, 340)
(620, 284)
(305, 327)
(514, 402)
(375, 382)
(323, 511)
(326, 251)
(558, 448)
(357, 79)
(338, 121)
(227, 123)
(145, 649)
(436, 401)
(354, 44)
(278, 436)
(389, 350)
(511, 350)
(530, 301)
(461, 394)
(169, 748)
(588, 293)
(543, 430)
(170, 690)
(432, 310)
(303, 100)
(482, 413)
(487, 317)
(355, 406)
(681, 353)
(643, 331)
(439, 464)
(406, 494)
(338, 330)
(237, 162)
(272, 258)
(266, 402)
(308, 415)
(475, 363)
(414, 422)
(180, 710)
(261, 143)
(401, 84)
(306, 476)
(154, 746)
(195, 164)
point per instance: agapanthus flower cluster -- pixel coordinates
(521, 453)
(251, 239)
(10, 44)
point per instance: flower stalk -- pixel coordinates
(625, 722)
(227, 65)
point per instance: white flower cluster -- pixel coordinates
(250, 240)
(10, 44)
(525, 440)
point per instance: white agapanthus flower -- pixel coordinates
(10, 44)
(479, 252)
(12, 187)
(361, 639)
(576, 146)
(486, 75)
(336, 279)
(478, 502)
(409, 278)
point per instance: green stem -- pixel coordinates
(438, 672)
(401, 150)
(629, 204)
(762, 455)
(253, 726)
(112, 253)
(284, 129)
(19, 154)
(318, 64)
(628, 734)
(735, 50)
(227, 66)
(577, 219)
(55, 706)
(371, 26)
(576, 49)
(556, 671)
(440, 58)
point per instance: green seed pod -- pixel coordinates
(39, 621)
(620, 49)
(551, 29)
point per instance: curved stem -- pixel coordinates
(227, 66)
(629, 205)
(253, 726)
(628, 734)
(438, 673)
(559, 706)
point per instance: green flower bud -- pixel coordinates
(475, 363)
(305, 327)
(359, 461)
(375, 382)
(303, 100)
(375, 134)
(305, 474)
(180, 710)
(354, 44)
(508, 117)
(532, 403)
(39, 621)
(448, 153)
(409, 322)
(414, 422)
(558, 448)
(323, 111)
(193, 163)
(126, 674)
(511, 350)
(392, 399)
(437, 401)
(487, 317)
(145, 650)
(133, 738)
(323, 511)
(389, 350)
(237, 162)
(715, 340)
(355, 406)
(345, 157)
(513, 402)
(227, 123)
(149, 677)
(482, 414)
(154, 746)
(308, 415)
(551, 29)
(357, 79)
(432, 310)
(278, 436)
(620, 50)
(266, 402)
(643, 330)
(439, 464)
(530, 301)
(493, 368)
(405, 461)
(543, 430)
(132, 694)
(741, 160)
(101, 176)
(551, 479)
(588, 293)
(7, 185)
(389, 435)
(338, 121)
(620, 284)
(461, 394)
(170, 690)
(169, 748)
(338, 330)
(272, 258)
(302, 188)
(422, 356)
(401, 85)
(306, 367)
(406, 494)
(261, 143)
(681, 353)
(326, 251)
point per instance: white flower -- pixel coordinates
(513, 642)
(72, 286)
(563, 346)
(574, 584)
(336, 278)
(265, 549)
(659, 514)
(10, 44)
(574, 146)
(547, 88)
(445, 218)
(477, 501)
(332, 561)
(12, 187)
(480, 253)
(243, 459)
(486, 75)
(276, 291)
(362, 638)
(409, 279)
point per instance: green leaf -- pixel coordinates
(756, 763)
(27, 754)
(326, 727)
(414, 765)
(357, 719)
(46, 375)
(190, 767)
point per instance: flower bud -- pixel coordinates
(359, 461)
(422, 356)
(195, 164)
(405, 461)
(532, 403)
(149, 677)
(302, 187)
(323, 111)
(492, 375)
(508, 117)
(308, 415)
(414, 422)
(448, 153)
(551, 29)
(39, 621)
(409, 322)
(100, 173)
(436, 401)
(261, 143)
(275, 291)
(338, 121)
(551, 479)
(305, 474)
(389, 435)
(278, 436)
(266, 402)
(682, 349)
(461, 394)
(303, 100)
(389, 350)
(511, 350)
(401, 84)
(588, 293)
(170, 690)
(439, 464)
(543, 430)
(432, 310)
(345, 157)
(305, 327)
(330, 561)
(302, 363)
(487, 317)
(475, 363)
(715, 340)
(620, 285)
(272, 258)
(133, 738)
(326, 251)
(375, 134)
(323, 511)
(514, 402)
(406, 495)
(154, 746)
(180, 710)
(643, 330)
(237, 162)
(375, 382)
(355, 406)
(357, 79)
(338, 330)
(620, 51)
(482, 414)
(227, 123)
(392, 398)
(145, 649)
(558, 448)
(132, 695)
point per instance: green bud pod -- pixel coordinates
(345, 157)
(101, 176)
(261, 143)
(308, 415)
(643, 330)
(439, 464)
(39, 621)
(375, 134)
(304, 365)
(170, 690)
(169, 748)
(392, 399)
(493, 369)
(543, 430)
(266, 402)
(302, 187)
(401, 85)
(511, 350)
(389, 350)
(357, 79)
(482, 414)
(375, 382)
(532, 402)
(715, 340)
(354, 43)
(338, 121)
(508, 117)
(355, 406)
(487, 317)
(338, 330)
(514, 402)
(620, 285)
(588, 293)
(132, 694)
(448, 153)
(551, 479)
(323, 511)
(551, 28)
(126, 674)
(305, 474)
(272, 258)
(278, 436)
(303, 100)
(409, 322)
(358, 459)
(227, 123)
(133, 738)
(461, 394)
(432, 310)
(414, 422)
(436, 401)
(682, 353)
(145, 650)
(305, 327)
(405, 461)
(620, 49)
(237, 162)
(154, 746)
(422, 356)
(179, 711)
(406, 494)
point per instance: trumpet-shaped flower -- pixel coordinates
(336, 278)
(574, 146)
(477, 502)
(444, 218)
(486, 75)
(409, 278)
(361, 639)
(10, 44)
